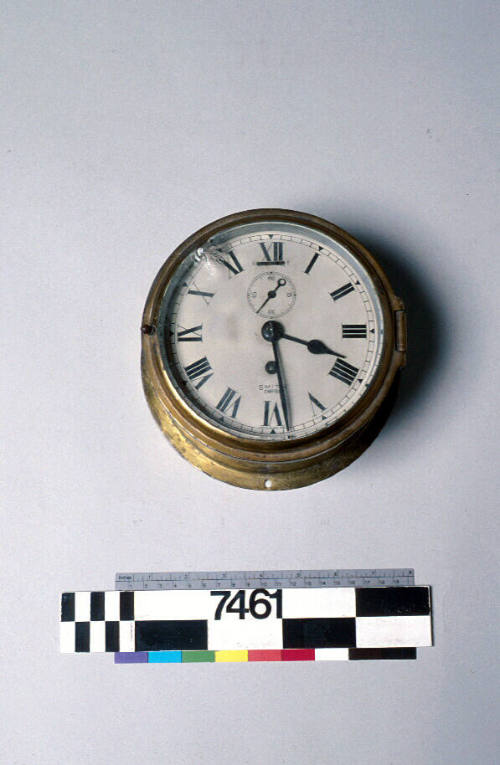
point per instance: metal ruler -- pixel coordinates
(206, 580)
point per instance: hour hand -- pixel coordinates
(314, 346)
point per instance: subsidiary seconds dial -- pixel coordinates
(270, 332)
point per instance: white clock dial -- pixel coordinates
(271, 331)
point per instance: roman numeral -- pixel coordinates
(193, 334)
(228, 400)
(201, 293)
(342, 291)
(353, 330)
(315, 404)
(270, 412)
(277, 256)
(344, 371)
(235, 267)
(312, 262)
(198, 369)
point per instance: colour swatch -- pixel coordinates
(320, 654)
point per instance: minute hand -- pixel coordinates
(281, 384)
(314, 346)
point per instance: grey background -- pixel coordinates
(127, 126)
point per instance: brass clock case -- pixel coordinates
(272, 465)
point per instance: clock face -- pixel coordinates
(271, 331)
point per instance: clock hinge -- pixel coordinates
(400, 322)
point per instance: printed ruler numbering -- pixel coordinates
(205, 580)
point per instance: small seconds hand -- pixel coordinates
(272, 293)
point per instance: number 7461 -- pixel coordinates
(259, 603)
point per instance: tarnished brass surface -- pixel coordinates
(272, 465)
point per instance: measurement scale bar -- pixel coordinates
(251, 616)
(260, 619)
(298, 578)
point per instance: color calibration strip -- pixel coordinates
(307, 654)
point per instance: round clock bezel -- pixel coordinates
(249, 462)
